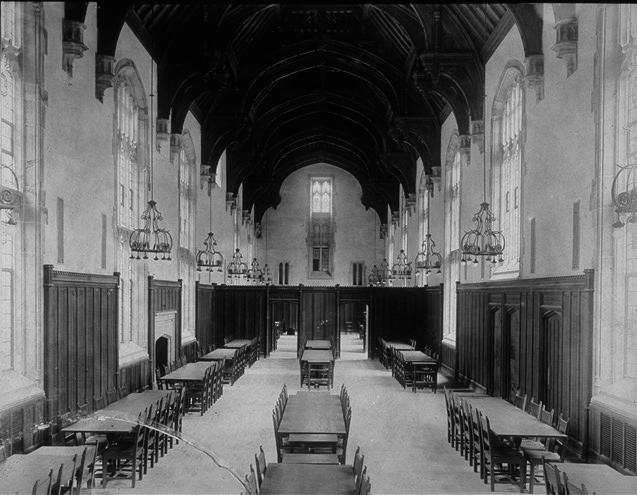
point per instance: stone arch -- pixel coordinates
(126, 72)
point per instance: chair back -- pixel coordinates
(251, 482)
(533, 408)
(359, 480)
(99, 402)
(552, 479)
(520, 401)
(112, 396)
(80, 472)
(485, 436)
(160, 384)
(259, 460)
(573, 489)
(546, 416)
(43, 487)
(277, 438)
(366, 486)
(359, 460)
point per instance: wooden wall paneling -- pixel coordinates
(554, 356)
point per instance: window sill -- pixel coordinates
(130, 353)
(319, 276)
(17, 389)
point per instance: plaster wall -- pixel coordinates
(356, 236)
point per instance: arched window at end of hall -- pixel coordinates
(507, 124)
(320, 228)
(131, 170)
(451, 255)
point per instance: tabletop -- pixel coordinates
(219, 354)
(136, 402)
(599, 478)
(317, 356)
(506, 420)
(20, 471)
(418, 357)
(318, 344)
(188, 372)
(313, 412)
(308, 478)
(237, 343)
(100, 423)
(401, 346)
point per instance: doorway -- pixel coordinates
(285, 327)
(161, 352)
(353, 330)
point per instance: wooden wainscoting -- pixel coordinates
(401, 314)
(535, 335)
(80, 339)
(205, 329)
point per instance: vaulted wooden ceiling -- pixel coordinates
(364, 87)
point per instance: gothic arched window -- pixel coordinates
(508, 148)
(130, 194)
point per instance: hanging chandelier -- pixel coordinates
(209, 257)
(254, 273)
(267, 276)
(428, 258)
(401, 270)
(237, 268)
(482, 240)
(379, 276)
(151, 238)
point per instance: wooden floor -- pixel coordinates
(402, 434)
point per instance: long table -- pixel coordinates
(19, 472)
(599, 478)
(424, 369)
(238, 343)
(102, 421)
(313, 412)
(318, 344)
(232, 369)
(315, 357)
(304, 479)
(506, 420)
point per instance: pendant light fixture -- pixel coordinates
(254, 273)
(209, 257)
(151, 238)
(624, 190)
(482, 240)
(237, 269)
(428, 259)
(401, 270)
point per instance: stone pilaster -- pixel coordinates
(477, 134)
(163, 132)
(464, 149)
(175, 148)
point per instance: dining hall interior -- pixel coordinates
(318, 248)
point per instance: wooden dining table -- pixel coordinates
(19, 472)
(136, 402)
(304, 479)
(421, 362)
(599, 478)
(506, 420)
(313, 412)
(400, 346)
(317, 356)
(318, 344)
(220, 354)
(238, 343)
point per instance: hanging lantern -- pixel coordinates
(401, 270)
(209, 257)
(482, 240)
(254, 273)
(150, 238)
(428, 259)
(237, 268)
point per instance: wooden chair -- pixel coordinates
(259, 461)
(251, 482)
(113, 396)
(551, 450)
(160, 383)
(281, 443)
(43, 487)
(80, 470)
(552, 479)
(546, 416)
(519, 401)
(533, 408)
(366, 486)
(180, 409)
(450, 423)
(359, 460)
(571, 488)
(425, 376)
(218, 381)
(359, 480)
(494, 456)
(126, 460)
(476, 441)
(320, 374)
